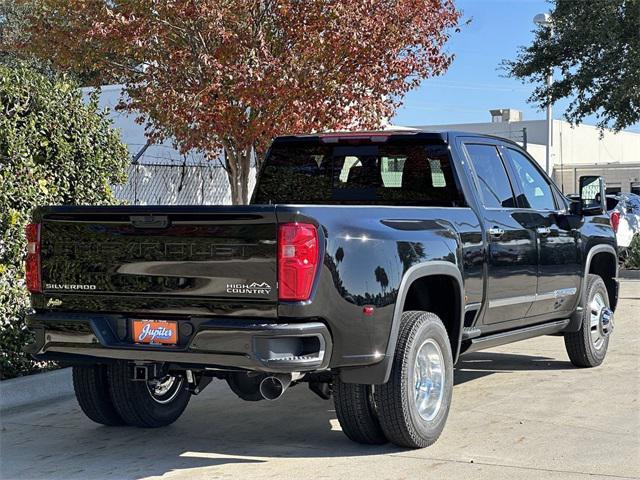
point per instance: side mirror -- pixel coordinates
(575, 207)
(592, 195)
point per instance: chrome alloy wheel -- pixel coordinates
(429, 373)
(165, 389)
(601, 320)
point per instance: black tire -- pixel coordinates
(356, 412)
(582, 350)
(91, 385)
(137, 406)
(400, 419)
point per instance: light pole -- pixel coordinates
(544, 20)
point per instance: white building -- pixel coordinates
(575, 151)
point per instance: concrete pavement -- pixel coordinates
(519, 412)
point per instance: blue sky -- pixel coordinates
(474, 83)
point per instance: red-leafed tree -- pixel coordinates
(231, 74)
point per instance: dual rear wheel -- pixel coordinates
(106, 395)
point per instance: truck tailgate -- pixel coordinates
(198, 259)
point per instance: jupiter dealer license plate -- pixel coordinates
(164, 332)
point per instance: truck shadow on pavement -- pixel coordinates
(217, 429)
(480, 364)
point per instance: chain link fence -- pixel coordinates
(173, 183)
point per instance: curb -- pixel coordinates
(40, 387)
(629, 274)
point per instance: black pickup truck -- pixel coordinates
(366, 264)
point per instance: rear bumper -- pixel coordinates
(249, 343)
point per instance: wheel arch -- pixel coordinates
(418, 276)
(601, 260)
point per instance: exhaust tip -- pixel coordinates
(272, 387)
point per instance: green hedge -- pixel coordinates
(632, 255)
(54, 149)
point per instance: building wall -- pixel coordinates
(584, 145)
(536, 129)
(618, 178)
(584, 151)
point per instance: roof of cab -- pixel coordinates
(372, 135)
(380, 136)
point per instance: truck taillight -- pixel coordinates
(614, 219)
(297, 260)
(32, 264)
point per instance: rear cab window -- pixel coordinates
(411, 173)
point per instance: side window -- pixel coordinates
(492, 178)
(536, 190)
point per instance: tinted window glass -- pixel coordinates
(611, 202)
(401, 173)
(536, 190)
(492, 177)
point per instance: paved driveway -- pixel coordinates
(519, 411)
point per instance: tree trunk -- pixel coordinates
(238, 164)
(260, 154)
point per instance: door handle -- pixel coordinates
(543, 231)
(496, 232)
